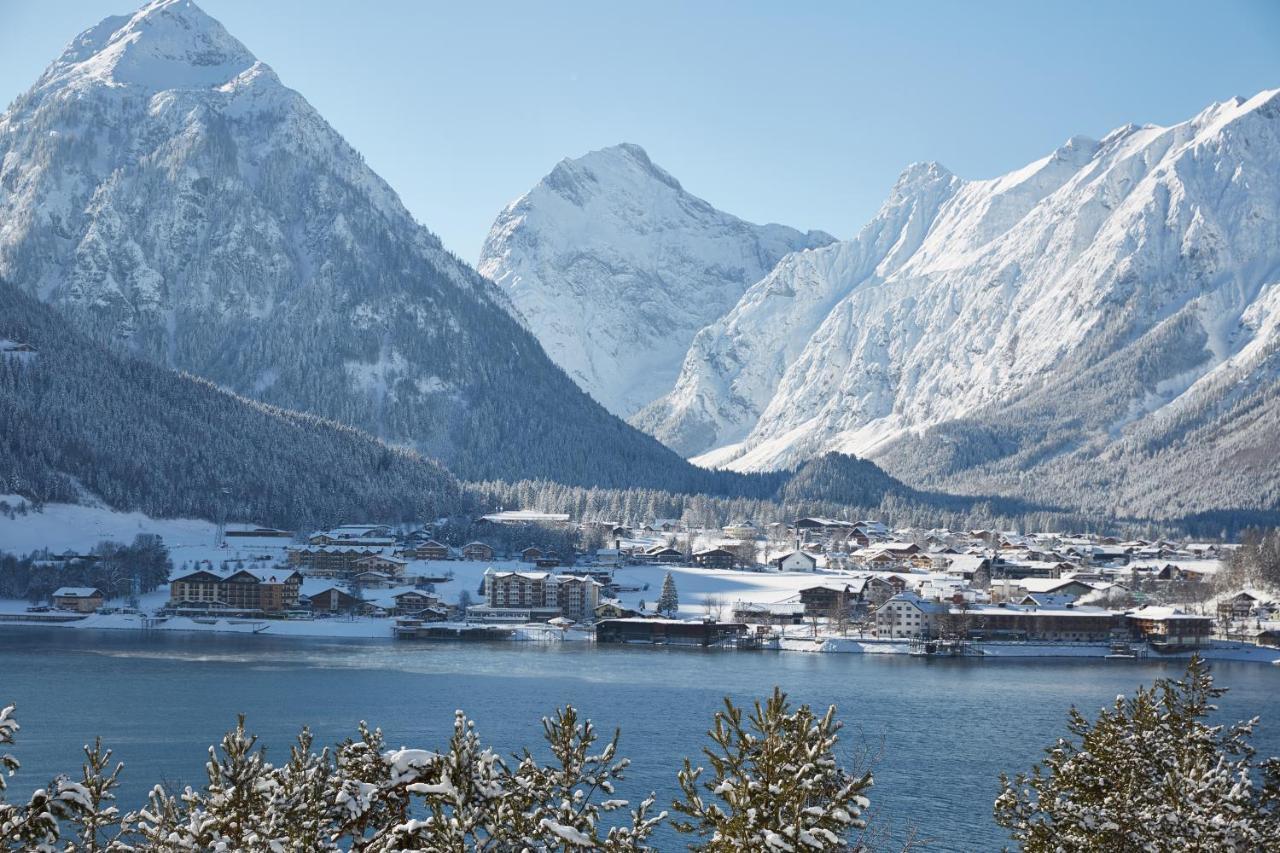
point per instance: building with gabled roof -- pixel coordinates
(82, 599)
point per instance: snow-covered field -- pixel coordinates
(695, 585)
(71, 526)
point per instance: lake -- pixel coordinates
(947, 727)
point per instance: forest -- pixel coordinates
(78, 420)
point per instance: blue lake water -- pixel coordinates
(945, 729)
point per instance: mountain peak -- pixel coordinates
(624, 162)
(167, 44)
(923, 172)
(615, 267)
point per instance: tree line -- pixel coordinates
(1149, 774)
(109, 566)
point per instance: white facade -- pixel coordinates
(907, 615)
(796, 561)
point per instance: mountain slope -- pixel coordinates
(614, 267)
(163, 189)
(76, 417)
(1109, 302)
(735, 364)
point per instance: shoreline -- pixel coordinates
(383, 630)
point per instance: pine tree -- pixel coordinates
(668, 599)
(96, 819)
(469, 798)
(775, 783)
(33, 825)
(1148, 775)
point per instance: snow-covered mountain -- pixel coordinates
(614, 267)
(1148, 262)
(162, 188)
(735, 364)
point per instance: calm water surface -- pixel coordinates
(947, 727)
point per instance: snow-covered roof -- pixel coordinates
(525, 516)
(1038, 585)
(77, 592)
(1152, 611)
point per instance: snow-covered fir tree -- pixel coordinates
(1149, 774)
(668, 599)
(775, 783)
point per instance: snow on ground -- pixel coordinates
(694, 585)
(60, 527)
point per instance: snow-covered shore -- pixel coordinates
(367, 628)
(1221, 651)
(337, 628)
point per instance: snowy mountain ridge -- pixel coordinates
(614, 266)
(961, 297)
(165, 191)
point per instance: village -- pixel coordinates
(815, 584)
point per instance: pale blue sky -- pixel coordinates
(802, 113)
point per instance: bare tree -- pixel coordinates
(744, 553)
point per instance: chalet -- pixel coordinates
(858, 537)
(1169, 628)
(608, 557)
(549, 560)
(715, 558)
(1010, 589)
(663, 525)
(741, 529)
(329, 599)
(902, 550)
(877, 589)
(477, 552)
(614, 610)
(974, 569)
(878, 558)
(757, 613)
(429, 550)
(383, 564)
(82, 599)
(832, 597)
(414, 602)
(531, 555)
(1003, 568)
(661, 554)
(876, 529)
(376, 580)
(823, 527)
(1237, 607)
(795, 561)
(268, 590)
